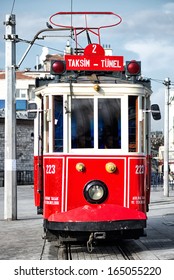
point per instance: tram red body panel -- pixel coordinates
(64, 185)
(94, 169)
(53, 185)
(137, 192)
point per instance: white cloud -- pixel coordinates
(155, 55)
(155, 23)
(169, 8)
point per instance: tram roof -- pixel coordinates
(85, 85)
(101, 78)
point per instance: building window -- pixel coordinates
(21, 93)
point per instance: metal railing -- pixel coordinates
(24, 177)
(157, 180)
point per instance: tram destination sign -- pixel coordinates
(94, 59)
(100, 63)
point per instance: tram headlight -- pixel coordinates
(133, 68)
(95, 192)
(57, 67)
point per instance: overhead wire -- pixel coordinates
(158, 80)
(12, 7)
(40, 45)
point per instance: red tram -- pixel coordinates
(92, 147)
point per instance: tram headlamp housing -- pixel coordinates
(133, 68)
(95, 192)
(57, 67)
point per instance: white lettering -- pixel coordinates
(53, 200)
(139, 169)
(107, 63)
(50, 169)
(79, 62)
(94, 48)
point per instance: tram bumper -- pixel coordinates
(98, 218)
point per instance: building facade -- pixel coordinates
(25, 85)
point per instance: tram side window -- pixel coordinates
(58, 124)
(109, 123)
(82, 123)
(132, 115)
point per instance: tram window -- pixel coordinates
(132, 115)
(82, 123)
(109, 123)
(58, 124)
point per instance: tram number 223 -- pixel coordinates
(50, 169)
(139, 169)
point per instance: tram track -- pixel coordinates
(70, 251)
(102, 250)
(125, 253)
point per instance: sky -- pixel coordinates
(146, 34)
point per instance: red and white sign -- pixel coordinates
(94, 59)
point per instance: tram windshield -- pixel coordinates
(105, 126)
(93, 123)
(109, 123)
(82, 123)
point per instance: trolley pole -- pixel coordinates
(10, 186)
(167, 83)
